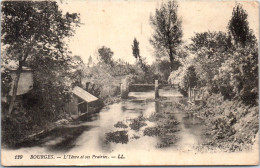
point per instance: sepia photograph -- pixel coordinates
(129, 82)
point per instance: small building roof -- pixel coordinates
(83, 94)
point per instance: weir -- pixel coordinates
(125, 88)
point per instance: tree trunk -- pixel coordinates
(171, 60)
(15, 88)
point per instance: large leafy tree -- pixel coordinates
(167, 36)
(240, 70)
(210, 49)
(35, 31)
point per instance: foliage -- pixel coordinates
(239, 28)
(135, 48)
(230, 125)
(162, 69)
(33, 34)
(184, 78)
(17, 127)
(210, 49)
(242, 63)
(102, 76)
(167, 35)
(35, 30)
(140, 60)
(239, 75)
(227, 62)
(5, 82)
(105, 55)
(52, 82)
(32, 27)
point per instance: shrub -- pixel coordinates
(231, 125)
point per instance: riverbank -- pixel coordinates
(230, 126)
(33, 132)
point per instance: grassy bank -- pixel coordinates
(230, 125)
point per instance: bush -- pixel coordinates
(185, 77)
(231, 125)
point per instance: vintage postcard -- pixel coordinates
(129, 83)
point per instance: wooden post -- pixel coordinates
(124, 89)
(194, 94)
(189, 94)
(156, 89)
(78, 110)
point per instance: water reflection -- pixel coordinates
(132, 111)
(92, 135)
(157, 106)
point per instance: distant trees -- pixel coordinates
(35, 31)
(136, 53)
(135, 49)
(77, 68)
(105, 55)
(167, 36)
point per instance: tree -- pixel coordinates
(135, 48)
(105, 55)
(190, 79)
(136, 54)
(33, 30)
(238, 27)
(238, 74)
(167, 35)
(211, 50)
(77, 66)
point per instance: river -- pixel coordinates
(90, 138)
(91, 135)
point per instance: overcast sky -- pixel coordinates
(116, 23)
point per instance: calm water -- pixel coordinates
(91, 135)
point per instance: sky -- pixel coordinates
(115, 24)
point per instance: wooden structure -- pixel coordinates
(25, 83)
(80, 102)
(195, 96)
(156, 89)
